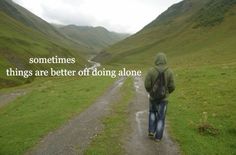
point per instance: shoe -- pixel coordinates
(151, 134)
(157, 140)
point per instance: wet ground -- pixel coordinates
(137, 141)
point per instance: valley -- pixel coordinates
(107, 113)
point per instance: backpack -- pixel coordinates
(159, 87)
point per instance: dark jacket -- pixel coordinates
(160, 65)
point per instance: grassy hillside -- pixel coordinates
(96, 38)
(186, 31)
(18, 43)
(27, 18)
(24, 35)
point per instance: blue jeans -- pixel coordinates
(157, 112)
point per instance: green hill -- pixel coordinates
(97, 38)
(192, 32)
(27, 18)
(24, 35)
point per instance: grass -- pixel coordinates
(50, 103)
(109, 140)
(201, 110)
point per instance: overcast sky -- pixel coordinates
(127, 16)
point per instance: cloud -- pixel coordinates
(116, 15)
(66, 14)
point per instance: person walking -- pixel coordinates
(159, 83)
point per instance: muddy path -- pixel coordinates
(8, 97)
(137, 142)
(73, 137)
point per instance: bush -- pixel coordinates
(213, 13)
(205, 128)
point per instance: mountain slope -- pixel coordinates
(24, 35)
(188, 30)
(96, 38)
(27, 18)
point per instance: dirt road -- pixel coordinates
(137, 142)
(8, 97)
(74, 136)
